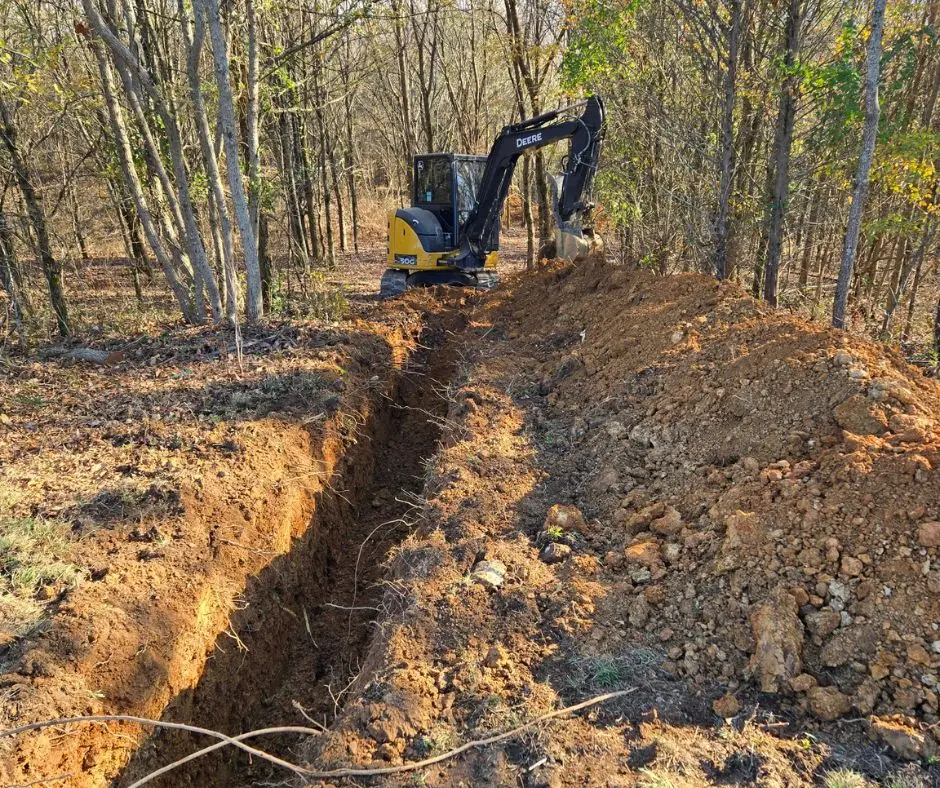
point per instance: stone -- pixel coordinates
(928, 534)
(860, 416)
(726, 706)
(605, 480)
(827, 703)
(851, 566)
(564, 517)
(671, 552)
(880, 668)
(639, 611)
(904, 740)
(866, 696)
(642, 553)
(554, 553)
(803, 683)
(743, 532)
(843, 359)
(489, 573)
(847, 645)
(669, 524)
(778, 636)
(496, 656)
(823, 623)
(918, 654)
(640, 521)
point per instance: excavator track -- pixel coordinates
(394, 283)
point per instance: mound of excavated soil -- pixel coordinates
(756, 524)
(766, 488)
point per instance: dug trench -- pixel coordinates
(296, 642)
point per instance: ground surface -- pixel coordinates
(438, 518)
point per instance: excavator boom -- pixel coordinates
(585, 133)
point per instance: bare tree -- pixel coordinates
(253, 302)
(51, 267)
(869, 137)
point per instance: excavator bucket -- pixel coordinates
(572, 241)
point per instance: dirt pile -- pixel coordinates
(658, 483)
(768, 486)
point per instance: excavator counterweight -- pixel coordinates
(450, 234)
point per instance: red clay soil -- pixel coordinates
(209, 506)
(727, 508)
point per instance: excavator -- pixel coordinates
(450, 233)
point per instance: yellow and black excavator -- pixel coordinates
(450, 234)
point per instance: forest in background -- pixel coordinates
(234, 151)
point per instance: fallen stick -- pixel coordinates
(104, 357)
(179, 726)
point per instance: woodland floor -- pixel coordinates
(353, 525)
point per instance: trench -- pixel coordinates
(309, 615)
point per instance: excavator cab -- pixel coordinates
(447, 184)
(450, 233)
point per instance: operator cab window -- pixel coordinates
(469, 177)
(433, 182)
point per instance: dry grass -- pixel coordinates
(32, 559)
(844, 778)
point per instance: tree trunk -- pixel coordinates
(349, 165)
(527, 213)
(194, 44)
(783, 141)
(936, 329)
(913, 264)
(869, 137)
(726, 168)
(7, 265)
(254, 157)
(254, 306)
(125, 155)
(51, 267)
(809, 236)
(133, 76)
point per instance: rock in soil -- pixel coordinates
(901, 735)
(779, 642)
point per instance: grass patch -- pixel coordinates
(609, 672)
(844, 778)
(32, 556)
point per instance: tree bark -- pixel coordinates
(783, 141)
(194, 44)
(254, 307)
(726, 168)
(51, 267)
(7, 265)
(125, 155)
(916, 259)
(869, 138)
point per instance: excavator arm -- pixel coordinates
(585, 133)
